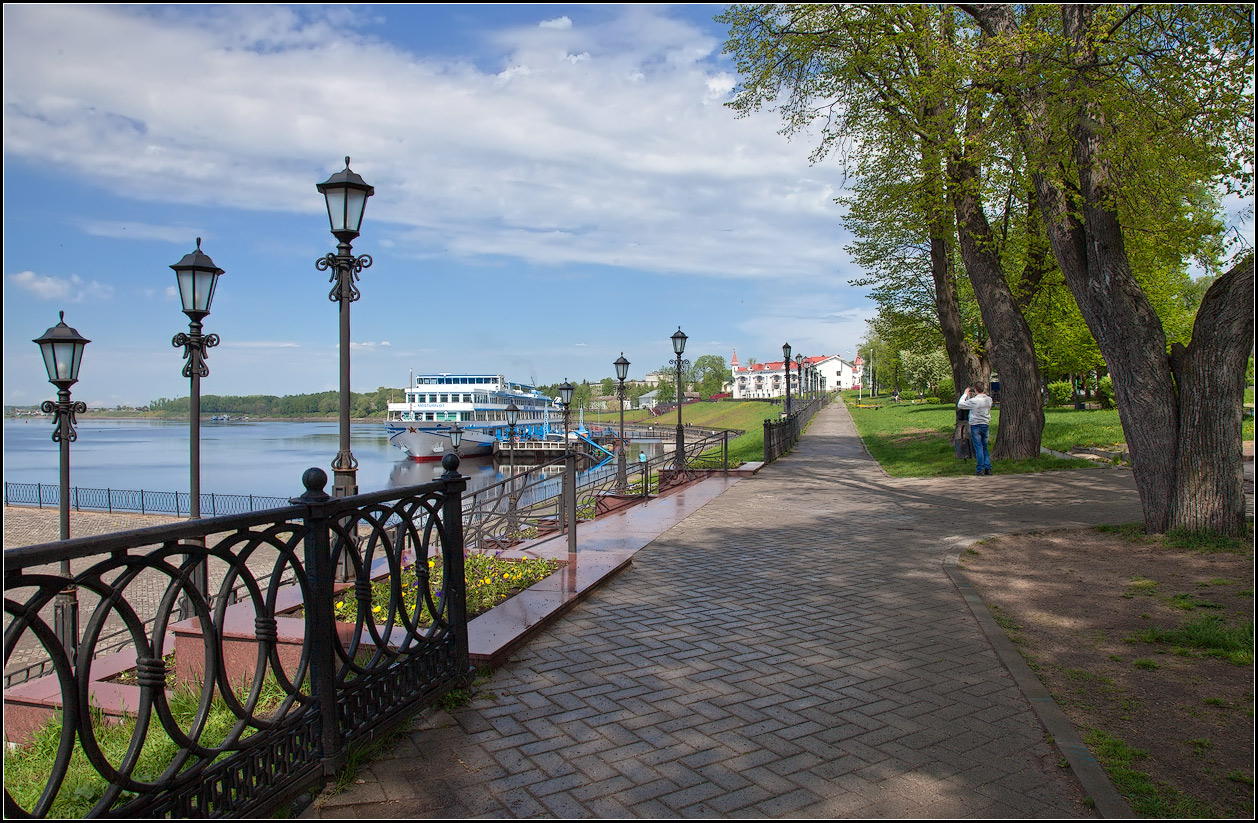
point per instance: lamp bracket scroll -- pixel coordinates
(67, 410)
(195, 347)
(345, 270)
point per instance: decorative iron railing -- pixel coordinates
(135, 500)
(781, 435)
(297, 687)
(530, 504)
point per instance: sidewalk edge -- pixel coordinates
(1090, 773)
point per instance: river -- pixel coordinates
(239, 457)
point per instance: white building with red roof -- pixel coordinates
(768, 380)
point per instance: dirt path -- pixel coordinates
(1073, 602)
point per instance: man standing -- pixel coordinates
(979, 404)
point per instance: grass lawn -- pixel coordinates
(913, 440)
(747, 415)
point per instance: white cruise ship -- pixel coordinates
(477, 402)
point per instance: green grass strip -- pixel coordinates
(1147, 798)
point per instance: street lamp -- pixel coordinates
(197, 277)
(512, 413)
(565, 400)
(679, 348)
(786, 366)
(62, 348)
(622, 371)
(799, 371)
(346, 196)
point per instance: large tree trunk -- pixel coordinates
(1012, 350)
(1210, 373)
(967, 367)
(1087, 240)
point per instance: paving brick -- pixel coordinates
(852, 681)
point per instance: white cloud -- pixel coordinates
(600, 144)
(73, 289)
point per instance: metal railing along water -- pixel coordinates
(300, 688)
(135, 500)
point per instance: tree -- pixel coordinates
(898, 81)
(607, 387)
(711, 374)
(1123, 111)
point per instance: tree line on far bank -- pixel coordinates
(318, 404)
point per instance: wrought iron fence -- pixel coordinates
(530, 505)
(297, 686)
(135, 500)
(780, 435)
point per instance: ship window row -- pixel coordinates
(471, 398)
(455, 381)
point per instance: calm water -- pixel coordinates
(263, 458)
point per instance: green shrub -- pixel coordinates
(946, 388)
(934, 401)
(908, 395)
(1105, 390)
(1060, 393)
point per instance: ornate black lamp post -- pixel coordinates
(346, 194)
(622, 371)
(799, 371)
(62, 348)
(197, 277)
(512, 413)
(786, 365)
(565, 400)
(679, 348)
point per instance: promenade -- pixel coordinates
(797, 647)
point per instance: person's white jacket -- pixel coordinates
(980, 406)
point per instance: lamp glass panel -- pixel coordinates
(355, 205)
(50, 363)
(65, 357)
(206, 281)
(335, 198)
(513, 415)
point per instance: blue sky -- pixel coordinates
(554, 185)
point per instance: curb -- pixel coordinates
(1091, 775)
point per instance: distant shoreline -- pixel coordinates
(204, 418)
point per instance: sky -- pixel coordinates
(554, 185)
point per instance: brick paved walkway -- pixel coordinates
(795, 648)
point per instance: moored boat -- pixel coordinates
(421, 425)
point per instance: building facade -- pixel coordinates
(768, 380)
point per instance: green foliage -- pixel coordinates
(710, 374)
(320, 404)
(1060, 393)
(26, 768)
(1105, 390)
(1206, 636)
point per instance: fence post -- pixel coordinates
(109, 500)
(570, 499)
(39, 494)
(725, 453)
(142, 502)
(455, 578)
(767, 448)
(320, 630)
(213, 506)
